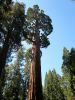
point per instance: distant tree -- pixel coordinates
(66, 87)
(39, 27)
(27, 70)
(17, 77)
(68, 66)
(52, 87)
(13, 89)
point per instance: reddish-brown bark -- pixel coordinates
(35, 84)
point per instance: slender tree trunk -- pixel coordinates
(3, 53)
(3, 56)
(35, 84)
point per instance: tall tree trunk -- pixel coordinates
(3, 56)
(35, 84)
(3, 53)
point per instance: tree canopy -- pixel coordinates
(39, 23)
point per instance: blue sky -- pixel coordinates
(62, 13)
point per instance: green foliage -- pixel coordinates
(39, 23)
(17, 78)
(20, 54)
(52, 87)
(68, 67)
(28, 55)
(27, 68)
(66, 87)
(12, 87)
(12, 24)
(12, 21)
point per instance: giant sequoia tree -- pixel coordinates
(12, 22)
(39, 27)
(11, 28)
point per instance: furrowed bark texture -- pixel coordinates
(35, 84)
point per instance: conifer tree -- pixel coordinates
(12, 28)
(39, 27)
(68, 67)
(17, 77)
(52, 87)
(13, 89)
